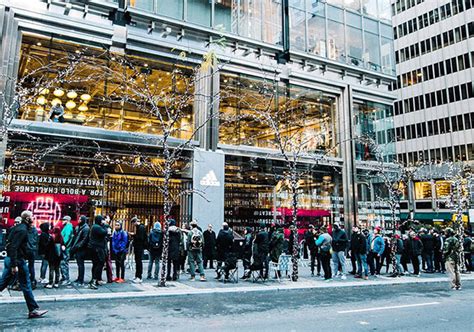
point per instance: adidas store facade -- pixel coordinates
(96, 163)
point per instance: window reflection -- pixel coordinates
(302, 116)
(372, 50)
(317, 34)
(298, 27)
(98, 102)
(336, 41)
(199, 12)
(354, 44)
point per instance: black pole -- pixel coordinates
(284, 56)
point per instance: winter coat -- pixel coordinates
(438, 243)
(451, 249)
(55, 242)
(358, 244)
(97, 237)
(376, 244)
(310, 242)
(195, 232)
(32, 246)
(224, 244)
(400, 248)
(174, 243)
(155, 242)
(276, 246)
(209, 250)
(119, 242)
(339, 240)
(324, 243)
(248, 245)
(68, 235)
(81, 238)
(139, 239)
(262, 243)
(415, 246)
(43, 239)
(17, 243)
(428, 243)
(467, 242)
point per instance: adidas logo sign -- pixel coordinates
(210, 180)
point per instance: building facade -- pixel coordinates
(325, 66)
(434, 119)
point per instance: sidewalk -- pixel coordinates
(185, 287)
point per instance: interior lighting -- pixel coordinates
(58, 93)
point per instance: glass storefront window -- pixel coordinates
(423, 190)
(373, 121)
(354, 46)
(172, 9)
(443, 189)
(226, 15)
(199, 12)
(369, 7)
(303, 116)
(97, 102)
(336, 41)
(271, 18)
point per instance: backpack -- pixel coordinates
(155, 240)
(196, 240)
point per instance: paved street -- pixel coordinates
(420, 307)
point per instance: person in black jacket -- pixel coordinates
(155, 248)
(247, 252)
(15, 263)
(225, 246)
(310, 242)
(79, 248)
(209, 249)
(97, 243)
(438, 252)
(261, 248)
(415, 248)
(32, 252)
(339, 246)
(42, 248)
(359, 251)
(175, 239)
(139, 245)
(428, 249)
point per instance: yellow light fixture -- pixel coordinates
(72, 94)
(40, 110)
(86, 97)
(70, 104)
(83, 107)
(81, 116)
(41, 100)
(44, 91)
(56, 101)
(68, 115)
(58, 93)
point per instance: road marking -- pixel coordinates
(388, 308)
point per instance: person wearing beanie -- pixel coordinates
(175, 239)
(225, 251)
(79, 248)
(195, 242)
(155, 248)
(139, 244)
(96, 245)
(119, 250)
(42, 244)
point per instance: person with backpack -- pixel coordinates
(324, 243)
(451, 255)
(119, 250)
(54, 253)
(155, 248)
(139, 245)
(68, 236)
(195, 245)
(80, 248)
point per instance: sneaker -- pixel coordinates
(148, 277)
(93, 285)
(357, 276)
(137, 281)
(115, 279)
(192, 279)
(366, 278)
(79, 284)
(49, 286)
(203, 278)
(37, 313)
(101, 282)
(458, 288)
(343, 277)
(66, 283)
(56, 285)
(44, 281)
(328, 280)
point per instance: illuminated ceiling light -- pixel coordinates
(68, 115)
(86, 97)
(70, 104)
(40, 110)
(77, 51)
(71, 94)
(38, 44)
(58, 93)
(44, 91)
(83, 108)
(41, 100)
(56, 101)
(81, 116)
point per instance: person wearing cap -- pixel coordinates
(376, 246)
(68, 237)
(119, 250)
(195, 243)
(79, 248)
(451, 253)
(225, 249)
(323, 242)
(415, 248)
(42, 248)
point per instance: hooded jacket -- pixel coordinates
(339, 240)
(174, 242)
(81, 238)
(376, 244)
(43, 238)
(428, 243)
(224, 243)
(209, 244)
(97, 235)
(17, 243)
(139, 239)
(358, 244)
(119, 241)
(276, 245)
(155, 240)
(415, 246)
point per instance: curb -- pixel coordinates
(170, 293)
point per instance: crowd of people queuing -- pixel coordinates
(369, 251)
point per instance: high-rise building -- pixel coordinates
(434, 113)
(330, 62)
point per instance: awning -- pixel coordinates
(428, 216)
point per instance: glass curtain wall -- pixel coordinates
(92, 96)
(265, 114)
(374, 131)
